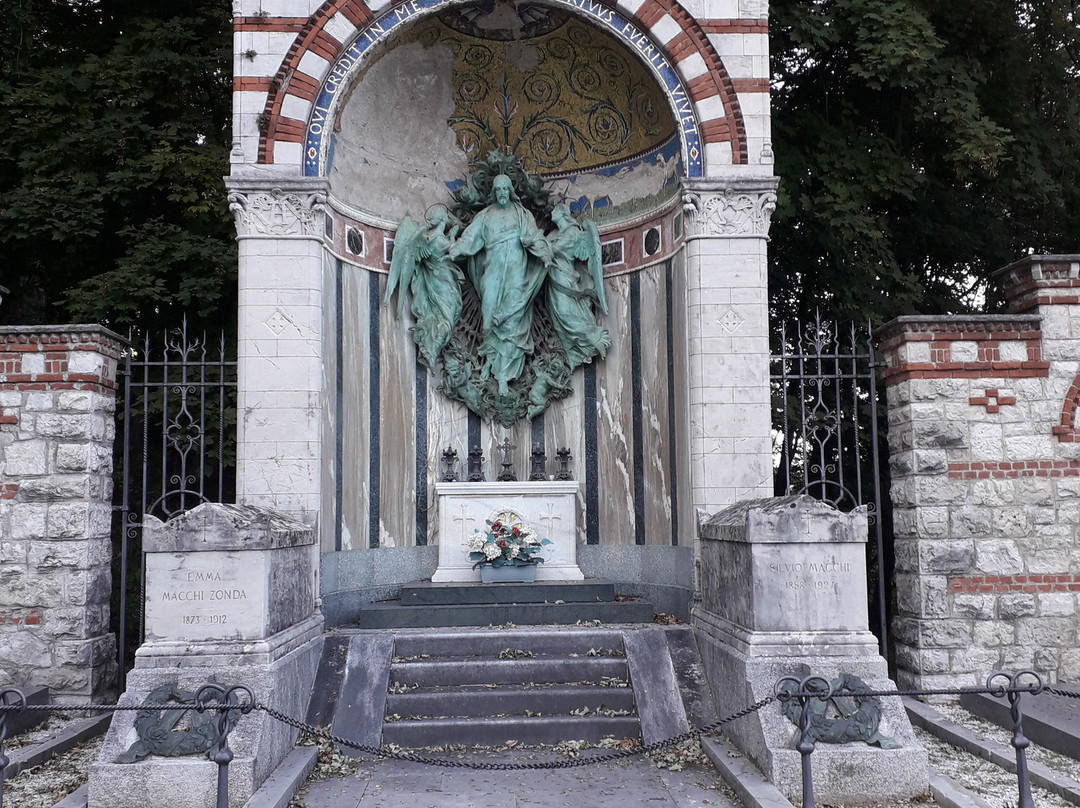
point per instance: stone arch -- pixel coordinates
(333, 40)
(1068, 431)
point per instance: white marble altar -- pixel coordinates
(548, 508)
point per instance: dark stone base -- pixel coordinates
(1049, 720)
(20, 722)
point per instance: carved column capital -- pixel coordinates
(291, 209)
(737, 209)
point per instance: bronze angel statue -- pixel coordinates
(574, 285)
(421, 262)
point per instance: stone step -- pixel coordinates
(483, 700)
(426, 593)
(492, 731)
(551, 642)
(448, 671)
(389, 615)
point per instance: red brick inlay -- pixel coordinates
(20, 617)
(735, 26)
(1050, 280)
(275, 24)
(992, 400)
(251, 84)
(56, 349)
(750, 85)
(9, 490)
(989, 469)
(1066, 432)
(997, 584)
(310, 37)
(943, 333)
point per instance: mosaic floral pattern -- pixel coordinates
(566, 99)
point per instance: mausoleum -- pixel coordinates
(502, 269)
(648, 119)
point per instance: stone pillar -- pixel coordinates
(281, 345)
(728, 339)
(57, 407)
(985, 458)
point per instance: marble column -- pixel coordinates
(728, 338)
(281, 340)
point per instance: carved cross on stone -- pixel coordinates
(465, 518)
(550, 518)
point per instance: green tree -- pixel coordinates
(115, 138)
(920, 145)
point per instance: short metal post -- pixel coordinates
(17, 705)
(227, 699)
(1014, 690)
(788, 687)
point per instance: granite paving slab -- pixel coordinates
(618, 784)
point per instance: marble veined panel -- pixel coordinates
(614, 422)
(329, 428)
(680, 361)
(355, 378)
(654, 403)
(397, 429)
(564, 426)
(491, 437)
(448, 427)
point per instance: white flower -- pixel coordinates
(491, 551)
(477, 542)
(514, 550)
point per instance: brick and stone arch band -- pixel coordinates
(331, 46)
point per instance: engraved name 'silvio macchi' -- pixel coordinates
(508, 308)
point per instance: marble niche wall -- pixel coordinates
(619, 423)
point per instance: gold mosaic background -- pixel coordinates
(564, 96)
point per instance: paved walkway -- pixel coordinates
(625, 783)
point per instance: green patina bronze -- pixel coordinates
(508, 308)
(849, 714)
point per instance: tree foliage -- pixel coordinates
(115, 138)
(921, 145)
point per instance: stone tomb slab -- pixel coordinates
(226, 574)
(548, 508)
(804, 562)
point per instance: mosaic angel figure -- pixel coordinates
(422, 264)
(575, 284)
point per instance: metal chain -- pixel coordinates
(383, 752)
(1069, 694)
(941, 691)
(115, 708)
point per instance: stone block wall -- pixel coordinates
(57, 405)
(986, 483)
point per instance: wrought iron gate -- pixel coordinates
(176, 447)
(825, 433)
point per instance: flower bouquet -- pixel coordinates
(506, 546)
